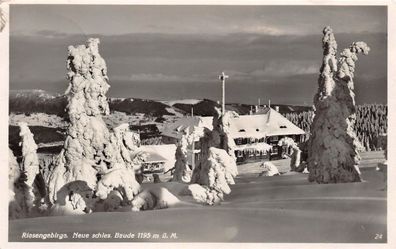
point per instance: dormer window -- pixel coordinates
(242, 130)
(282, 126)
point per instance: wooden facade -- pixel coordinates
(153, 167)
(252, 154)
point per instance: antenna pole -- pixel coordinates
(223, 77)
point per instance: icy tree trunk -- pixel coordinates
(182, 170)
(30, 164)
(90, 148)
(217, 167)
(333, 147)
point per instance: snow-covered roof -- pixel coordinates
(189, 124)
(160, 153)
(268, 123)
(255, 146)
(154, 157)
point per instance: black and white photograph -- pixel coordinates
(198, 123)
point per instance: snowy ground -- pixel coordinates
(284, 208)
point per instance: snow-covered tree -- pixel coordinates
(296, 152)
(333, 146)
(91, 151)
(17, 207)
(29, 165)
(182, 171)
(217, 167)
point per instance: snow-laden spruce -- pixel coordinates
(217, 167)
(182, 171)
(91, 151)
(30, 164)
(333, 146)
(25, 194)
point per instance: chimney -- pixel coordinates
(277, 108)
(256, 109)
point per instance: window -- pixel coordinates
(239, 153)
(238, 141)
(274, 138)
(282, 126)
(257, 153)
(242, 130)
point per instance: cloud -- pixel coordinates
(157, 77)
(275, 69)
(50, 34)
(287, 68)
(177, 65)
(262, 29)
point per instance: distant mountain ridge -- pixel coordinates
(40, 101)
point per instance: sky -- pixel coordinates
(177, 52)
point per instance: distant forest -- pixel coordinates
(371, 121)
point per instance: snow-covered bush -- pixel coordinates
(74, 198)
(269, 169)
(122, 179)
(333, 146)
(154, 197)
(205, 195)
